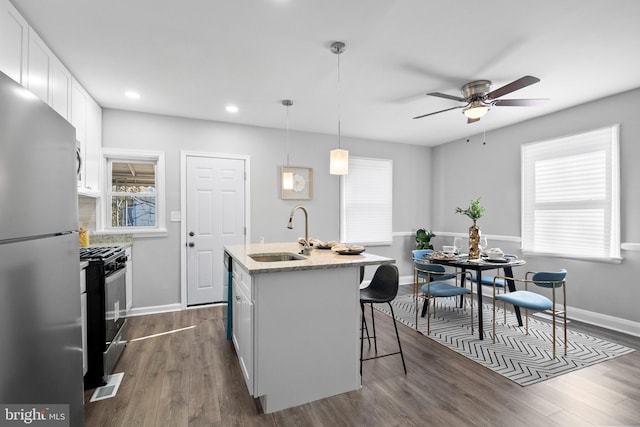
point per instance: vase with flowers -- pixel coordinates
(475, 211)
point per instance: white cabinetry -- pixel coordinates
(86, 117)
(296, 333)
(129, 278)
(243, 322)
(28, 60)
(46, 76)
(14, 36)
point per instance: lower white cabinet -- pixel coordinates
(243, 323)
(296, 333)
(129, 278)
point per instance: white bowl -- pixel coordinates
(495, 254)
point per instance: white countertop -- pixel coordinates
(318, 259)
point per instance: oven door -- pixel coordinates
(115, 303)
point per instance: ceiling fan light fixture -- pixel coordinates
(475, 110)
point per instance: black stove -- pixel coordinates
(106, 311)
(113, 258)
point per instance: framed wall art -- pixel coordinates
(302, 183)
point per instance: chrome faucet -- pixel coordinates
(306, 249)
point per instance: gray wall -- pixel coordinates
(429, 183)
(465, 170)
(157, 259)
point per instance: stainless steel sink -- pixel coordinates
(276, 257)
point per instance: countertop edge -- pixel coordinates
(318, 259)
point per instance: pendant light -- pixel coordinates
(338, 158)
(287, 176)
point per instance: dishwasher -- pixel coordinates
(227, 314)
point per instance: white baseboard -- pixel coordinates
(141, 311)
(592, 318)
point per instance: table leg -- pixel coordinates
(463, 280)
(512, 288)
(479, 292)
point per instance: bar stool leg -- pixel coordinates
(404, 366)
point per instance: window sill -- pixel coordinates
(136, 232)
(617, 260)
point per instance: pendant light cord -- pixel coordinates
(339, 112)
(287, 135)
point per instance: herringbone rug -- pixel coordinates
(524, 359)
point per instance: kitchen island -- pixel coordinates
(296, 323)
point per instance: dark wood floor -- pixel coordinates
(192, 378)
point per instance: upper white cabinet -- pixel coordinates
(46, 76)
(86, 117)
(26, 58)
(14, 36)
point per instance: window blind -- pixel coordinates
(570, 195)
(367, 202)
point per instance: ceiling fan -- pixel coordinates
(478, 99)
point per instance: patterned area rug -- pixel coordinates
(524, 359)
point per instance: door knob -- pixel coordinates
(191, 233)
(191, 244)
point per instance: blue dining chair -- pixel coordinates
(500, 283)
(419, 254)
(530, 300)
(435, 288)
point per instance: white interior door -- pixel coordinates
(215, 218)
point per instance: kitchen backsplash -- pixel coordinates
(87, 220)
(87, 212)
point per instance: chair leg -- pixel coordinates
(361, 337)
(364, 322)
(564, 316)
(553, 322)
(493, 319)
(424, 307)
(404, 366)
(373, 323)
(428, 302)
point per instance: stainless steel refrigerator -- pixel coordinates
(40, 320)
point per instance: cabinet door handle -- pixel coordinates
(238, 298)
(191, 244)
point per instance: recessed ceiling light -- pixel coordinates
(232, 109)
(133, 95)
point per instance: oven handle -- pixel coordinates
(116, 275)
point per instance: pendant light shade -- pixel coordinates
(338, 158)
(287, 180)
(339, 162)
(287, 177)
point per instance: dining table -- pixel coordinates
(478, 266)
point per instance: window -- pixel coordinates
(570, 196)
(134, 194)
(367, 202)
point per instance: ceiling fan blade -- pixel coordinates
(441, 111)
(520, 102)
(444, 95)
(470, 120)
(513, 86)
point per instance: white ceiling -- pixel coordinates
(191, 58)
